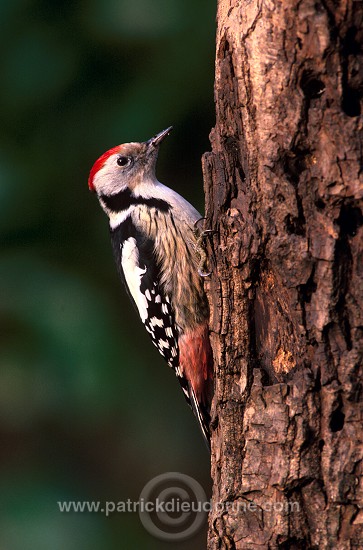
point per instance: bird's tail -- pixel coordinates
(202, 415)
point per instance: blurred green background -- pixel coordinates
(88, 409)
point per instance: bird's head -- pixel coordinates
(125, 166)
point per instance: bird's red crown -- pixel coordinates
(98, 165)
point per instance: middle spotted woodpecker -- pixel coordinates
(155, 245)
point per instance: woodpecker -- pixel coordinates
(155, 245)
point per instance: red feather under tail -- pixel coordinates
(196, 365)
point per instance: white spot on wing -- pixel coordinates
(133, 274)
(148, 295)
(158, 298)
(154, 321)
(163, 344)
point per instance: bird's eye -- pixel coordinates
(123, 161)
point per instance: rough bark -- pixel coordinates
(282, 190)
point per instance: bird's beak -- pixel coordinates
(156, 140)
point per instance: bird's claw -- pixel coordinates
(200, 248)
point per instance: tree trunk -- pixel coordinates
(282, 191)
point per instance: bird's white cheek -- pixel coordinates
(108, 182)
